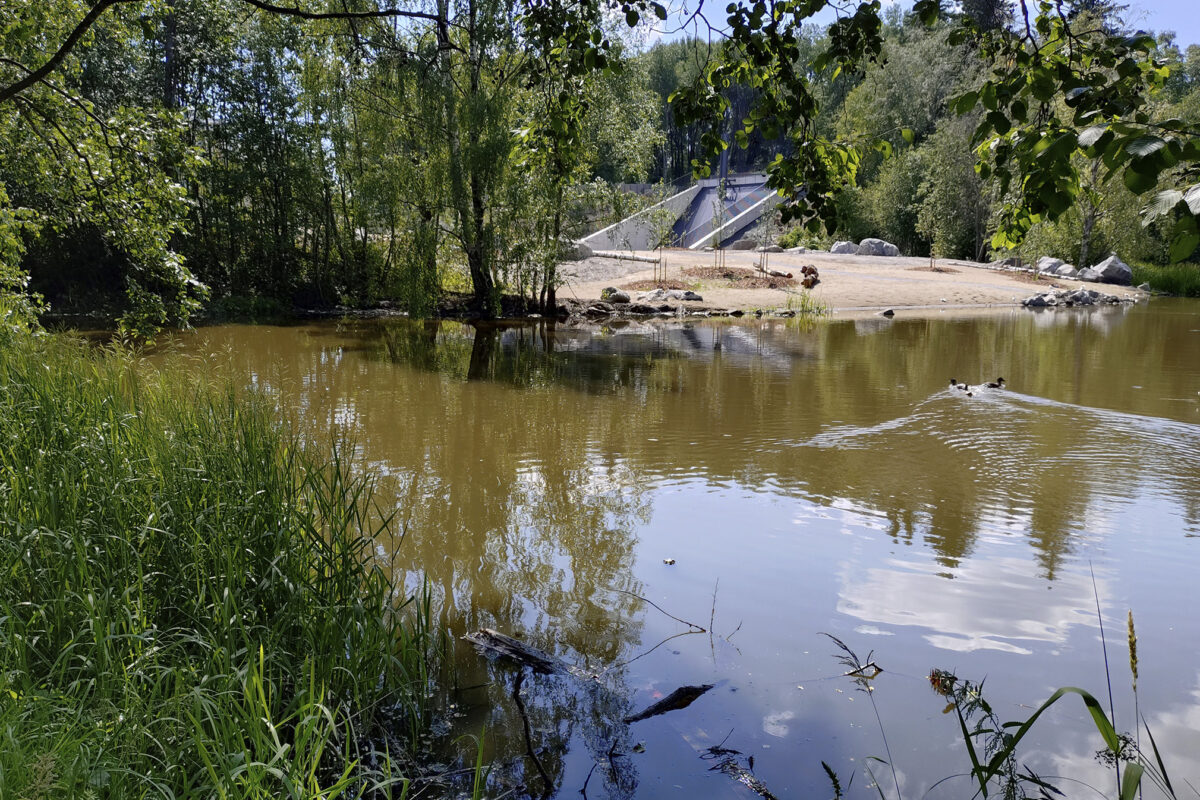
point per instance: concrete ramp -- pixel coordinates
(701, 218)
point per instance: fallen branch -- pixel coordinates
(516, 650)
(680, 698)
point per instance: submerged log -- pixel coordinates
(516, 650)
(680, 698)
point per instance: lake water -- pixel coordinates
(802, 479)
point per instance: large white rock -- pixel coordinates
(654, 296)
(1066, 271)
(844, 249)
(742, 244)
(877, 247)
(1114, 270)
(1048, 264)
(574, 251)
(1088, 274)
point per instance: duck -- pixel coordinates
(996, 384)
(954, 384)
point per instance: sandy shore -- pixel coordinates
(850, 285)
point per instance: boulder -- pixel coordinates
(684, 294)
(612, 294)
(642, 309)
(1048, 264)
(1114, 270)
(771, 248)
(877, 247)
(1037, 301)
(797, 250)
(654, 297)
(1088, 274)
(574, 251)
(844, 249)
(1066, 271)
(741, 244)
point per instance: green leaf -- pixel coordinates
(927, 11)
(632, 17)
(660, 11)
(1139, 182)
(1185, 239)
(1099, 719)
(1160, 204)
(964, 103)
(907, 134)
(1089, 136)
(1144, 146)
(1000, 122)
(1129, 783)
(1192, 198)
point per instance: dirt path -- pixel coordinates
(850, 285)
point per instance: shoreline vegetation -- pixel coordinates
(191, 603)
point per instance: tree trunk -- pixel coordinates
(470, 210)
(1091, 215)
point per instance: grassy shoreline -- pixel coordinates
(189, 601)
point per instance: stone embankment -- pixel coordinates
(661, 303)
(1074, 297)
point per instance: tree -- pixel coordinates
(1030, 142)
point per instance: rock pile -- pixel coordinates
(663, 295)
(1073, 297)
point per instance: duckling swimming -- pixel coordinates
(956, 385)
(996, 384)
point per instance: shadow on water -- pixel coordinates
(825, 478)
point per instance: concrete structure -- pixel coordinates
(699, 219)
(635, 233)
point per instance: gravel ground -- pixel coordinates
(594, 269)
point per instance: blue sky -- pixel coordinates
(1181, 16)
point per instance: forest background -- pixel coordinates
(255, 157)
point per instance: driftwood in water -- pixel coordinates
(733, 769)
(516, 650)
(680, 698)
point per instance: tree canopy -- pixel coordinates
(159, 152)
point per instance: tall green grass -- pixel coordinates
(189, 601)
(1181, 280)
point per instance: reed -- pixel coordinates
(1180, 280)
(190, 605)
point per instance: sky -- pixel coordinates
(1181, 16)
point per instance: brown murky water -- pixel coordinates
(803, 480)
